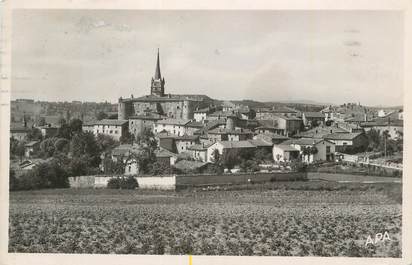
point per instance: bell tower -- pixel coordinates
(157, 87)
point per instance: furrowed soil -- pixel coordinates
(281, 219)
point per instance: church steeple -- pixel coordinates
(158, 83)
(157, 72)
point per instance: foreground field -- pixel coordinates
(259, 220)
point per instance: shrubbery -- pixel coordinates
(124, 183)
(44, 176)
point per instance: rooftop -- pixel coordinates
(236, 144)
(106, 122)
(287, 148)
(342, 136)
(179, 122)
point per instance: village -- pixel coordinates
(163, 133)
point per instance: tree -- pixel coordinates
(385, 136)
(230, 158)
(41, 121)
(62, 145)
(34, 134)
(47, 147)
(105, 142)
(215, 156)
(262, 155)
(374, 140)
(78, 167)
(75, 126)
(85, 145)
(64, 131)
(159, 168)
(127, 138)
(101, 115)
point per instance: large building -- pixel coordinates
(158, 102)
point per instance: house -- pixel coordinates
(222, 146)
(49, 130)
(271, 137)
(269, 126)
(322, 150)
(19, 132)
(177, 126)
(312, 119)
(139, 123)
(199, 151)
(165, 156)
(219, 134)
(177, 144)
(348, 142)
(201, 115)
(31, 148)
(394, 127)
(289, 124)
(262, 144)
(113, 128)
(320, 131)
(285, 153)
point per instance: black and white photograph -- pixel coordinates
(206, 132)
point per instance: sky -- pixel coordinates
(101, 55)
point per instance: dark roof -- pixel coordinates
(195, 124)
(310, 114)
(164, 153)
(303, 141)
(186, 137)
(200, 147)
(342, 136)
(285, 147)
(260, 143)
(236, 144)
(150, 116)
(179, 122)
(273, 136)
(106, 122)
(227, 131)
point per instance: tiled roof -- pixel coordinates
(302, 141)
(126, 149)
(179, 122)
(226, 131)
(342, 136)
(200, 147)
(164, 153)
(107, 122)
(260, 143)
(195, 124)
(273, 136)
(286, 147)
(236, 144)
(311, 114)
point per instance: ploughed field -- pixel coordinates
(275, 219)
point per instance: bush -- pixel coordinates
(128, 183)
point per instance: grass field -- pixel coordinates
(279, 219)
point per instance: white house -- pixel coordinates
(284, 153)
(113, 128)
(221, 146)
(325, 150)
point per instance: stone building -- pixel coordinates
(171, 106)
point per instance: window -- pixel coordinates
(97, 131)
(182, 147)
(116, 131)
(111, 131)
(130, 168)
(327, 149)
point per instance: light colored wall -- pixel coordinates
(157, 182)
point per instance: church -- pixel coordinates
(159, 103)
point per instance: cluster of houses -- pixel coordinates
(193, 126)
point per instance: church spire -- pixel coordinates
(157, 87)
(157, 72)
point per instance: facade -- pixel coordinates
(284, 153)
(173, 126)
(199, 151)
(348, 142)
(221, 146)
(325, 150)
(311, 119)
(49, 131)
(171, 106)
(31, 148)
(138, 123)
(113, 128)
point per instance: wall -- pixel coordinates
(157, 182)
(192, 180)
(145, 182)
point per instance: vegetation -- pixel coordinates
(263, 221)
(129, 183)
